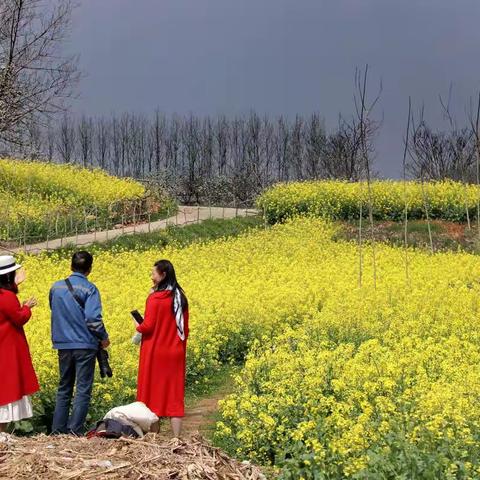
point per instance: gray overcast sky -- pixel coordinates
(277, 57)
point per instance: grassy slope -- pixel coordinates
(181, 236)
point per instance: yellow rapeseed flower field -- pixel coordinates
(37, 197)
(367, 383)
(340, 381)
(341, 200)
(226, 316)
(68, 183)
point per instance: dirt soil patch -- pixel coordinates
(445, 235)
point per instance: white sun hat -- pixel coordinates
(8, 264)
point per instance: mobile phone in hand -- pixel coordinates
(136, 315)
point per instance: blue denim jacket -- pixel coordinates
(74, 327)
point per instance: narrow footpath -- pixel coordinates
(186, 215)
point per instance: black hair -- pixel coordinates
(82, 262)
(170, 280)
(7, 282)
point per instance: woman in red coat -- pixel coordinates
(161, 375)
(18, 379)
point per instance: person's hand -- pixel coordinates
(30, 303)
(105, 343)
(20, 276)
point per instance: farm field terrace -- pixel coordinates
(340, 380)
(341, 200)
(38, 197)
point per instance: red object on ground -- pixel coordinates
(161, 375)
(17, 376)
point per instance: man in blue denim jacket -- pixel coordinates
(77, 333)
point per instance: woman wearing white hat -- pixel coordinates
(18, 379)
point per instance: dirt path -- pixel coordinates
(200, 417)
(200, 413)
(185, 216)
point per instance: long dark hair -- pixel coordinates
(7, 282)
(170, 281)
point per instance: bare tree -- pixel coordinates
(207, 142)
(438, 155)
(85, 137)
(298, 147)
(418, 150)
(124, 129)
(342, 157)
(66, 140)
(474, 118)
(315, 146)
(116, 145)
(222, 140)
(192, 142)
(368, 129)
(158, 134)
(173, 146)
(36, 78)
(50, 135)
(138, 146)
(32, 146)
(102, 142)
(268, 151)
(282, 149)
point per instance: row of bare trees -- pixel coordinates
(204, 159)
(448, 153)
(230, 160)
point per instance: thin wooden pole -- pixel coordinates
(363, 112)
(48, 230)
(477, 156)
(360, 239)
(427, 215)
(405, 213)
(123, 218)
(134, 217)
(469, 226)
(95, 225)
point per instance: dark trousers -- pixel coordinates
(76, 366)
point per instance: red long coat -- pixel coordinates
(161, 375)
(17, 376)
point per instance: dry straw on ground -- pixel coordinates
(154, 457)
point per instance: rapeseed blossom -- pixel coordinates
(340, 381)
(38, 197)
(341, 200)
(367, 383)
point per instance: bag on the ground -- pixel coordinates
(112, 429)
